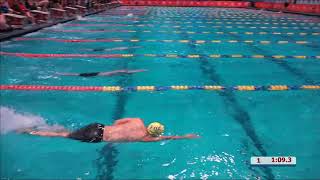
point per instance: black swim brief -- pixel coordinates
(98, 49)
(92, 133)
(89, 74)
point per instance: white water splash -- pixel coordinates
(181, 174)
(10, 120)
(80, 18)
(168, 164)
(208, 166)
(47, 77)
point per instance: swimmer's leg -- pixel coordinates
(34, 131)
(50, 134)
(24, 130)
(68, 74)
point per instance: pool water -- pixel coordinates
(233, 125)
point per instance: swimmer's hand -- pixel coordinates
(161, 138)
(138, 70)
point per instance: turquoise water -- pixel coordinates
(233, 125)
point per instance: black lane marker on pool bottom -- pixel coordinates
(283, 64)
(108, 154)
(296, 71)
(106, 162)
(237, 112)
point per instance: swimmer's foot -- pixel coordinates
(66, 74)
(25, 130)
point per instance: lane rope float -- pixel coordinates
(159, 88)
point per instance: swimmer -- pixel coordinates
(114, 49)
(109, 73)
(122, 130)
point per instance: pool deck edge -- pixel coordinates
(17, 33)
(284, 11)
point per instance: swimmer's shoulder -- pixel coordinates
(135, 119)
(131, 119)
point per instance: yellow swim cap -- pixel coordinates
(155, 129)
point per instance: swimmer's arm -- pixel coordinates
(136, 70)
(161, 138)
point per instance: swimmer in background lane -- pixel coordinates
(122, 130)
(109, 73)
(114, 49)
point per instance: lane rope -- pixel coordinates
(203, 22)
(159, 88)
(187, 32)
(211, 17)
(209, 21)
(190, 56)
(165, 41)
(187, 26)
(216, 27)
